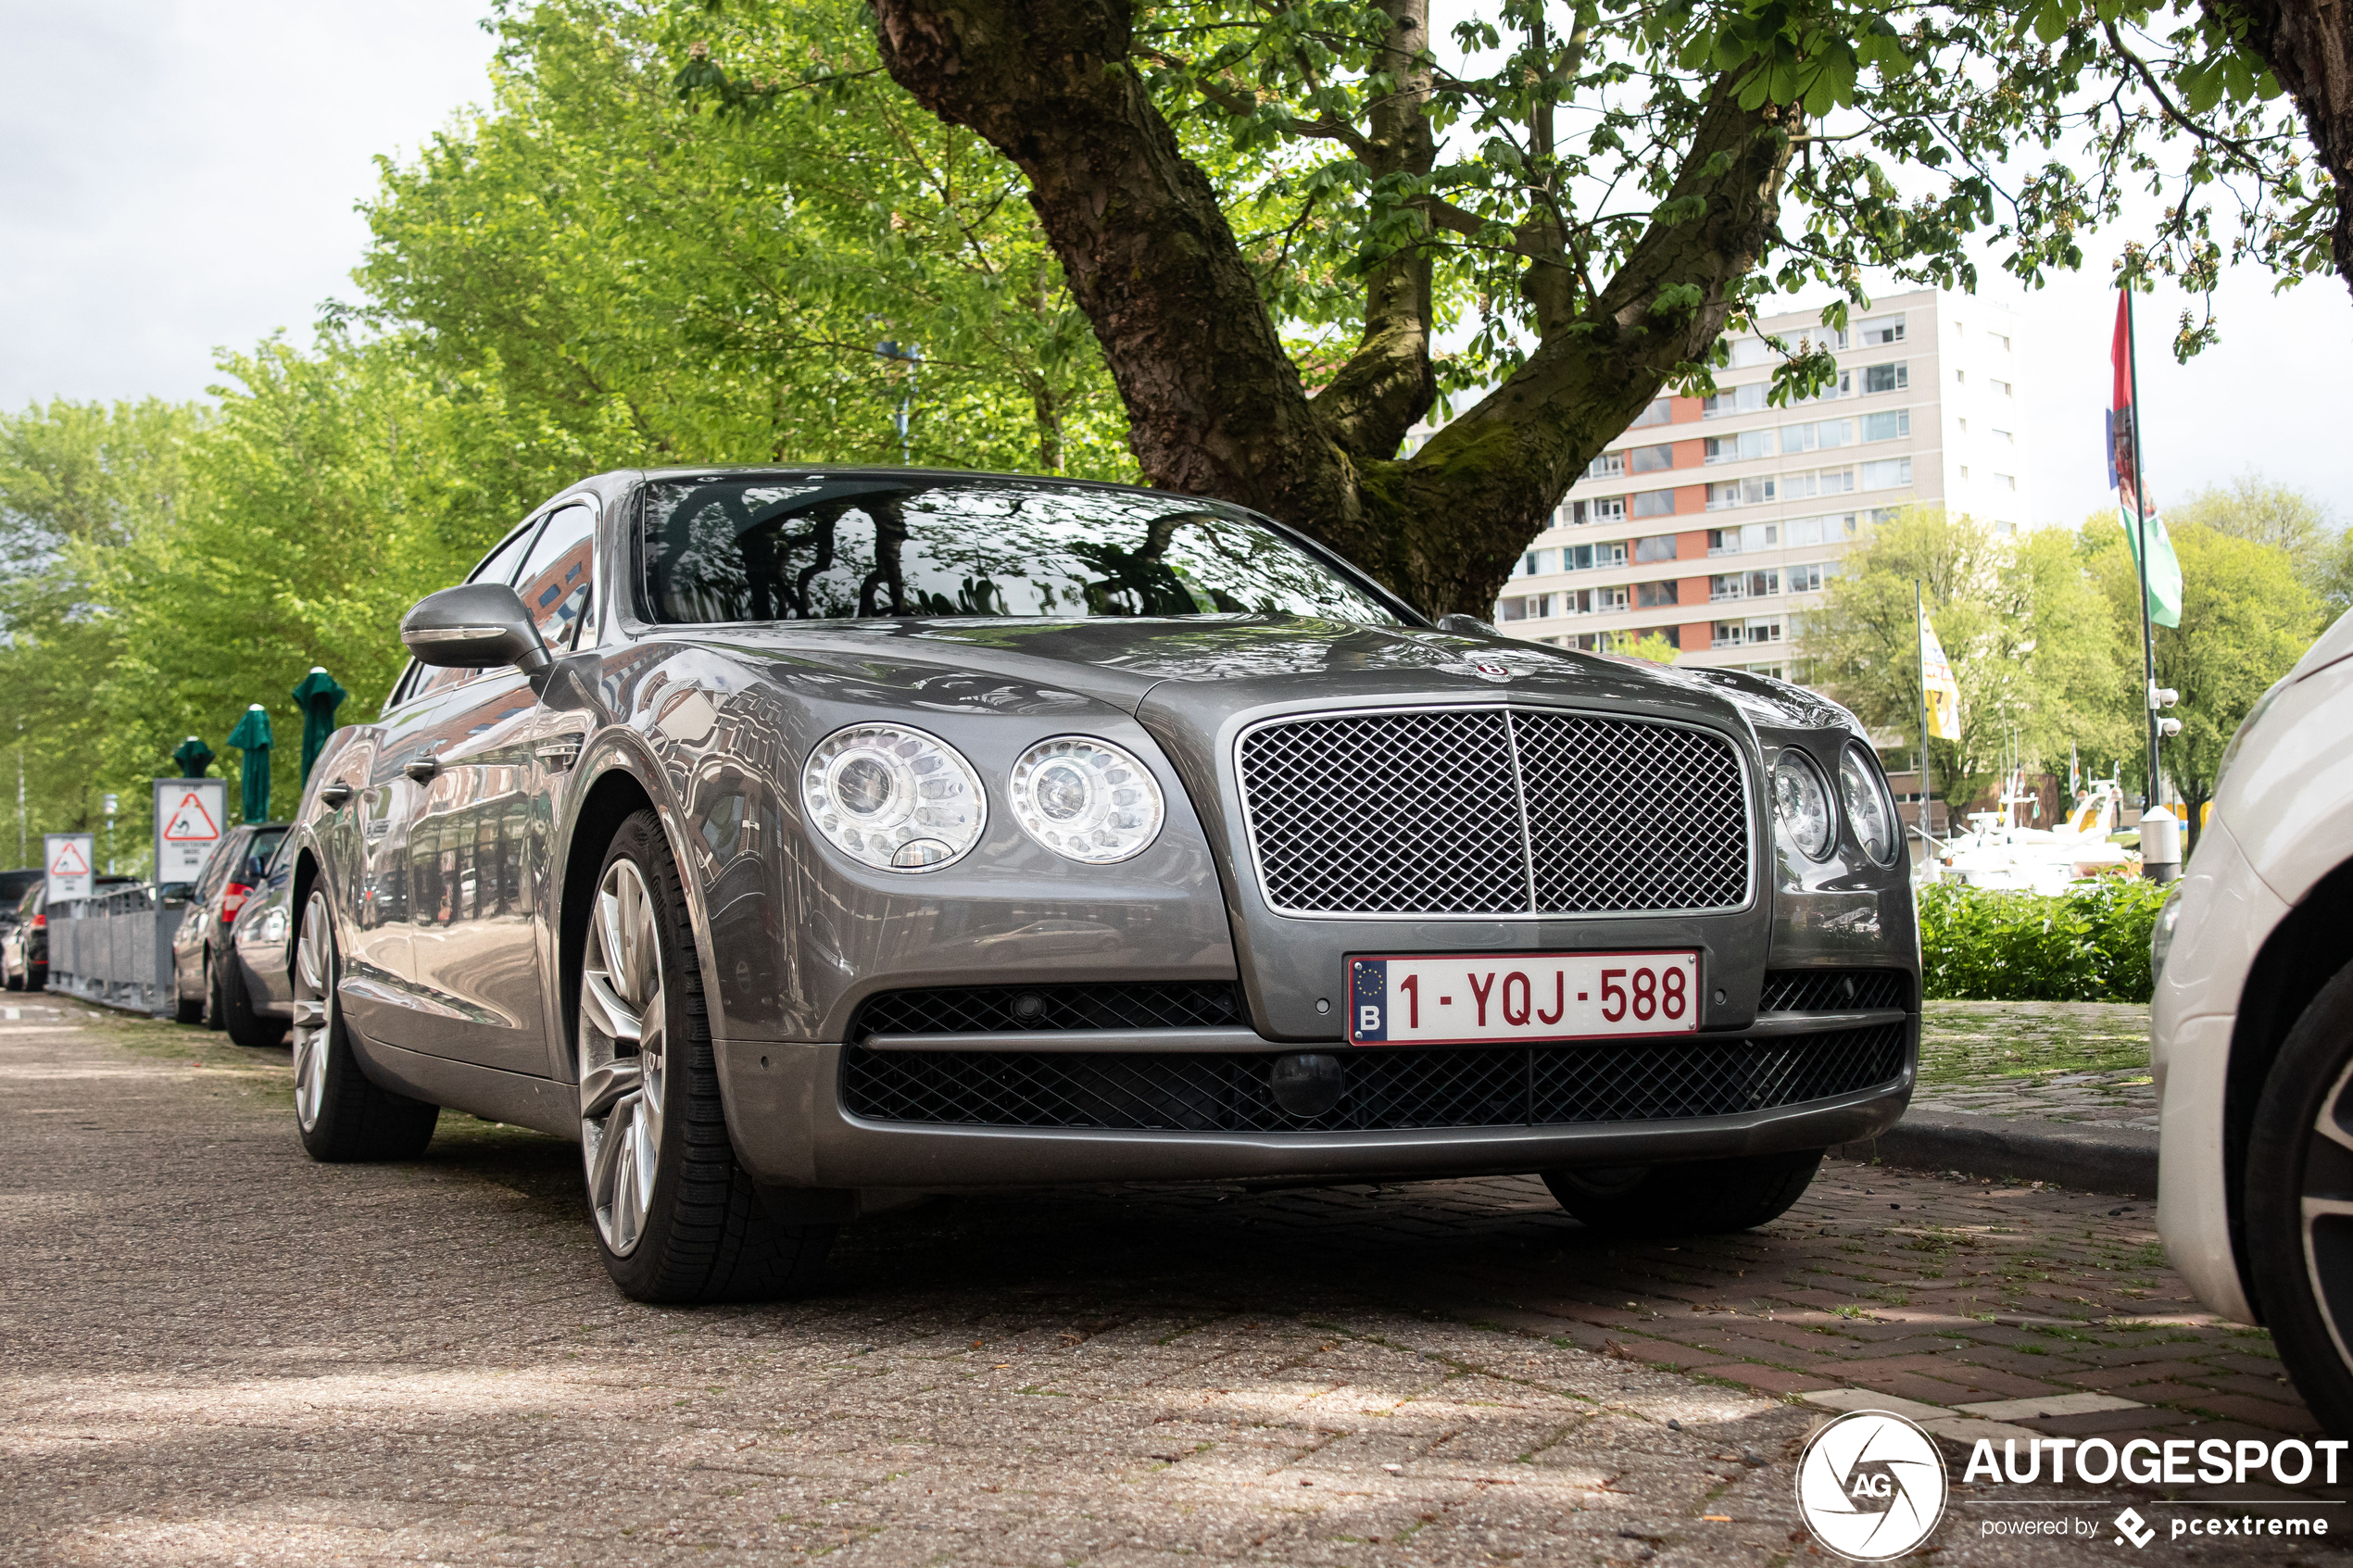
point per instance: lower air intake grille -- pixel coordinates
(1834, 990)
(965, 1009)
(1504, 1086)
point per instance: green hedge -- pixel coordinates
(2089, 944)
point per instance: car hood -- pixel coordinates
(1248, 661)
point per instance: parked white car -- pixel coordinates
(2254, 1033)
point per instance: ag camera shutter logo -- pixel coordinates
(1871, 1486)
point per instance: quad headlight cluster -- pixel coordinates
(899, 799)
(1807, 818)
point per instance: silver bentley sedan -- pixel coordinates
(800, 841)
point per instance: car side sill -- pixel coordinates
(516, 1099)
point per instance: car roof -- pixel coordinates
(840, 471)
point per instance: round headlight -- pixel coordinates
(1801, 805)
(895, 798)
(1086, 800)
(1868, 806)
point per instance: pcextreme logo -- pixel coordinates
(1871, 1486)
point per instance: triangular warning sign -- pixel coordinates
(190, 823)
(71, 861)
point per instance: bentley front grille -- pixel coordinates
(1494, 812)
(1385, 1089)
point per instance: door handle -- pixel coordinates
(420, 769)
(336, 795)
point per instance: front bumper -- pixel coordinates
(792, 1129)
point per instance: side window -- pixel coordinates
(497, 567)
(555, 577)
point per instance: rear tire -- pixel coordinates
(1703, 1198)
(247, 1027)
(2299, 1204)
(677, 1220)
(214, 1006)
(15, 982)
(343, 1116)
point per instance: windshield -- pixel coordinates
(839, 548)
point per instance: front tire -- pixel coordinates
(1703, 1198)
(2299, 1204)
(676, 1219)
(216, 1007)
(342, 1116)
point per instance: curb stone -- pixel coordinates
(2094, 1156)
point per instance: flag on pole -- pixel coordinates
(1941, 692)
(2134, 508)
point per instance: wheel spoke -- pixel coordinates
(309, 1013)
(2329, 1122)
(2326, 1208)
(604, 1160)
(603, 1084)
(606, 1010)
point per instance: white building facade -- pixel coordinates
(1714, 522)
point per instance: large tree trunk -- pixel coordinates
(1219, 408)
(2308, 46)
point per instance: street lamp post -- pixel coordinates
(111, 803)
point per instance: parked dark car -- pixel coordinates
(200, 948)
(24, 943)
(798, 840)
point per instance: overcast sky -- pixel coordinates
(178, 177)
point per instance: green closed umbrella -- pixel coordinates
(252, 737)
(318, 696)
(194, 758)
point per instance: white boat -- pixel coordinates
(1996, 851)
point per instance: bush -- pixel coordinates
(2088, 944)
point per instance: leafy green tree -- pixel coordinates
(78, 482)
(2031, 641)
(2253, 508)
(667, 286)
(1268, 212)
(2246, 618)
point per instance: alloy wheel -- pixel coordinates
(623, 1010)
(2328, 1212)
(314, 1008)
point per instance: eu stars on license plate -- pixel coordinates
(1455, 999)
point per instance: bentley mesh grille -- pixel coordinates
(963, 1010)
(1834, 990)
(1422, 813)
(1385, 1089)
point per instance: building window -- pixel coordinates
(1658, 412)
(1964, 424)
(1660, 547)
(1821, 433)
(1764, 629)
(1873, 331)
(1733, 400)
(1536, 562)
(1835, 529)
(2006, 481)
(1843, 386)
(1887, 473)
(2004, 437)
(2001, 388)
(1737, 448)
(1652, 503)
(1821, 482)
(1964, 470)
(1609, 509)
(1747, 351)
(1741, 493)
(1744, 585)
(1650, 459)
(2001, 338)
(1650, 595)
(1586, 558)
(1961, 376)
(1809, 577)
(1887, 378)
(1888, 426)
(1605, 465)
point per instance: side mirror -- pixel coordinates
(478, 626)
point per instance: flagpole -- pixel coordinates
(1919, 656)
(2141, 526)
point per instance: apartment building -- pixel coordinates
(1716, 522)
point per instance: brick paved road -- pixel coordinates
(217, 1352)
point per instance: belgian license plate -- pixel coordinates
(1457, 999)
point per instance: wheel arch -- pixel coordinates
(2302, 954)
(613, 798)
